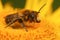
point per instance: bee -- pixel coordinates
(27, 15)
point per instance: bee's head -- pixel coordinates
(34, 15)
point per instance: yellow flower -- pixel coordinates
(47, 29)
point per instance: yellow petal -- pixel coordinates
(1, 7)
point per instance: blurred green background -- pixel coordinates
(56, 4)
(21, 3)
(15, 3)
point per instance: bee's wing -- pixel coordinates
(13, 21)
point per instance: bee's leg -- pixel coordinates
(13, 21)
(23, 25)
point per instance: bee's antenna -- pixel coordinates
(41, 7)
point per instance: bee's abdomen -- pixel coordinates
(10, 17)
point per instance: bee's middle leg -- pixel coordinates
(22, 24)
